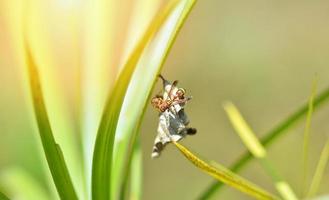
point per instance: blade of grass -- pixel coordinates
(224, 175)
(52, 151)
(3, 196)
(103, 151)
(59, 106)
(269, 138)
(136, 168)
(96, 74)
(141, 85)
(255, 147)
(61, 129)
(134, 174)
(244, 131)
(319, 172)
(307, 137)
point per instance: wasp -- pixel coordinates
(173, 120)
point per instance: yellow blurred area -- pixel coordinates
(260, 55)
(78, 46)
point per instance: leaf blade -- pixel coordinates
(3, 196)
(133, 176)
(136, 173)
(52, 151)
(306, 136)
(103, 151)
(269, 138)
(258, 150)
(141, 85)
(224, 175)
(320, 169)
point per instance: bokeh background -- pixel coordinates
(261, 55)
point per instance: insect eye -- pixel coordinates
(154, 100)
(182, 90)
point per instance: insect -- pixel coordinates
(173, 120)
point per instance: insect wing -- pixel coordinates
(167, 89)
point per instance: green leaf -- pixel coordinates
(244, 131)
(136, 168)
(270, 137)
(140, 88)
(226, 176)
(63, 126)
(134, 175)
(103, 151)
(3, 196)
(52, 151)
(319, 172)
(306, 137)
(258, 150)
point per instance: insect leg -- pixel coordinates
(182, 116)
(188, 131)
(157, 148)
(171, 88)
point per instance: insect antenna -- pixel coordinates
(160, 76)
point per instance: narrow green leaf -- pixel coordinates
(141, 85)
(103, 151)
(3, 196)
(136, 168)
(319, 172)
(53, 153)
(224, 175)
(244, 131)
(270, 137)
(306, 137)
(257, 149)
(62, 121)
(134, 175)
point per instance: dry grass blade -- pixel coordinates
(103, 151)
(53, 152)
(319, 172)
(306, 138)
(224, 175)
(270, 137)
(258, 150)
(244, 131)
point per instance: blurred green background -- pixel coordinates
(261, 55)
